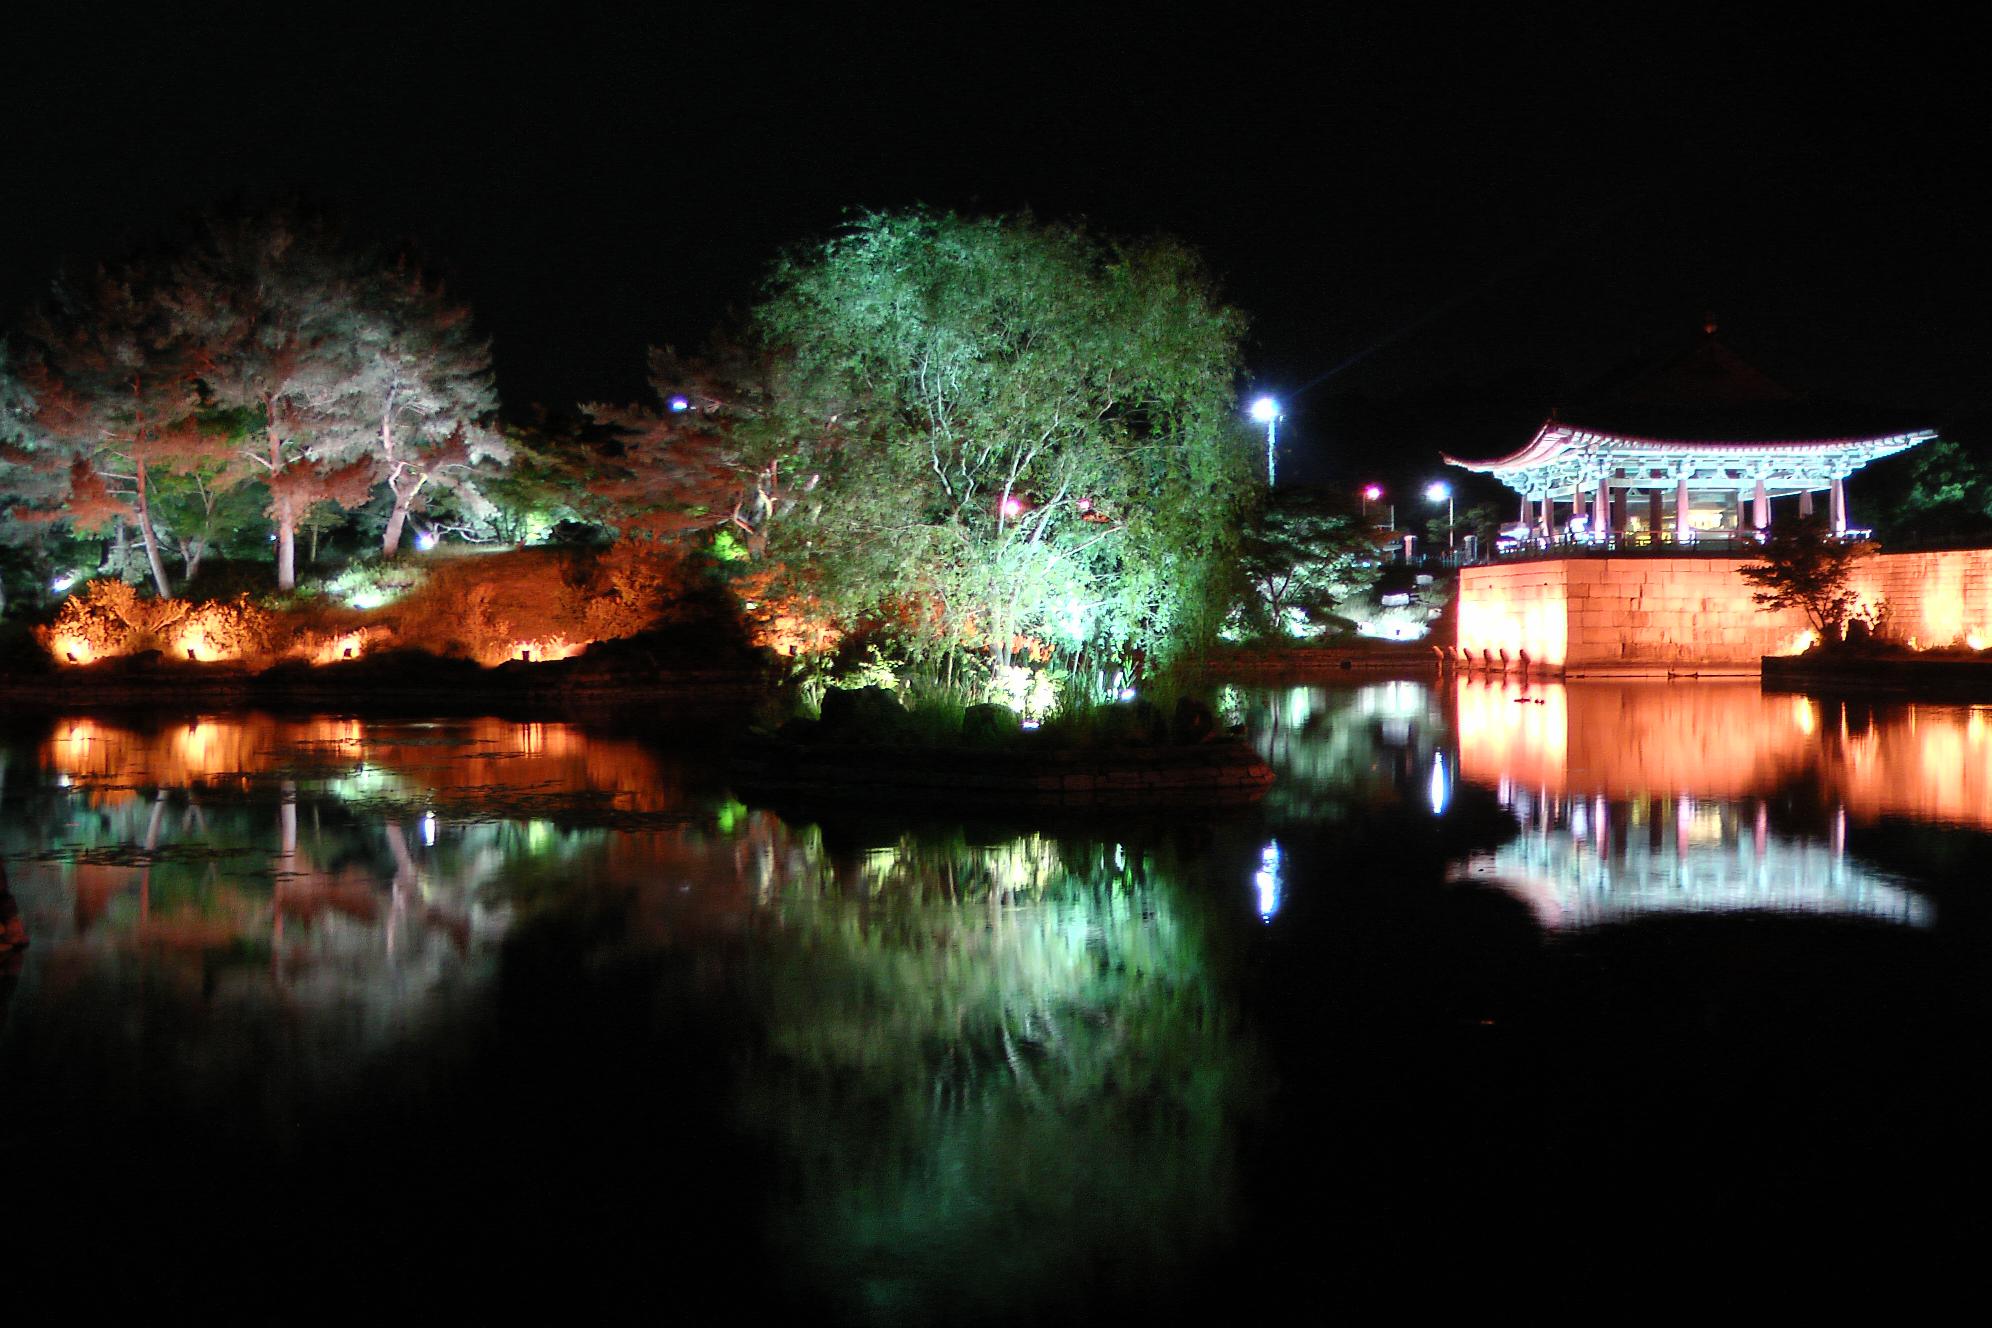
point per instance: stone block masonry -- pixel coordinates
(1683, 614)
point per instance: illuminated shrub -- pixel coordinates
(105, 619)
(333, 646)
(224, 629)
(633, 583)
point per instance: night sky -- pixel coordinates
(1439, 230)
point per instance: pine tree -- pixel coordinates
(116, 388)
(423, 384)
(273, 307)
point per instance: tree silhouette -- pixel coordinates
(1803, 566)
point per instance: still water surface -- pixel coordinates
(467, 1011)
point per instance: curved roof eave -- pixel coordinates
(1556, 440)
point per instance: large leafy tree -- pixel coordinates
(117, 392)
(1005, 430)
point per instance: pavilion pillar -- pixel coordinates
(1528, 515)
(1805, 502)
(1653, 511)
(1837, 499)
(1601, 508)
(1547, 507)
(1682, 530)
(1760, 507)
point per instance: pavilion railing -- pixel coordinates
(1623, 543)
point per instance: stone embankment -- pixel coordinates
(1944, 677)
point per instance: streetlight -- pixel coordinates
(1371, 493)
(1438, 491)
(1266, 411)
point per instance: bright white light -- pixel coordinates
(429, 829)
(679, 405)
(1012, 506)
(62, 583)
(1269, 881)
(425, 540)
(1265, 410)
(1438, 491)
(1373, 492)
(1439, 790)
(1125, 693)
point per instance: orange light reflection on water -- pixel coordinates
(1727, 740)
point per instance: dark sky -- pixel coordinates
(1436, 227)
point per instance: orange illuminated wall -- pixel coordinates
(1934, 599)
(1574, 613)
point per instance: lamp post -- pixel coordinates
(1371, 492)
(1266, 411)
(1439, 491)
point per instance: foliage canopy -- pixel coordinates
(1011, 434)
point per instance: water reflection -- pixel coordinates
(1336, 749)
(989, 1071)
(1643, 798)
(966, 1042)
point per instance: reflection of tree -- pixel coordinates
(1342, 750)
(1002, 1068)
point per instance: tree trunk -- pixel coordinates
(286, 546)
(151, 539)
(280, 507)
(390, 543)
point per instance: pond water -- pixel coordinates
(457, 1013)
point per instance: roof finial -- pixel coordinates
(1708, 324)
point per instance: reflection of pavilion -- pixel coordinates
(1638, 798)
(1693, 446)
(1583, 862)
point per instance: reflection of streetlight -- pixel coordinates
(1266, 411)
(1438, 491)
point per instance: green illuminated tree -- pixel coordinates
(1803, 567)
(1949, 495)
(1000, 429)
(1302, 560)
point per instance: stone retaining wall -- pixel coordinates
(1661, 614)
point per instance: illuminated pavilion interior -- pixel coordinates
(1697, 446)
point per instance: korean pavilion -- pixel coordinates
(1695, 447)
